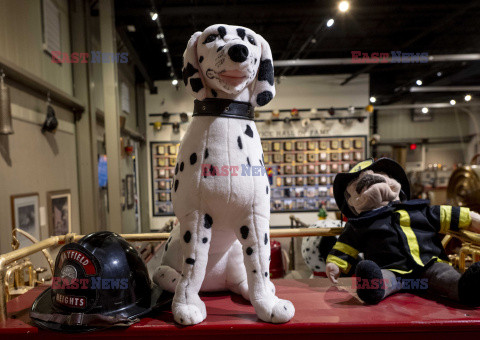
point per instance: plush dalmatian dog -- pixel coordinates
(224, 214)
(315, 249)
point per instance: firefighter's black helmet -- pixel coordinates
(99, 282)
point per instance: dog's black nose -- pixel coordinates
(238, 53)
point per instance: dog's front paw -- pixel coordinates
(189, 313)
(274, 310)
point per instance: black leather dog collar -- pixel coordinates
(223, 108)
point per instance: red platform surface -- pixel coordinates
(322, 312)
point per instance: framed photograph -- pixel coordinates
(130, 192)
(124, 190)
(25, 214)
(59, 205)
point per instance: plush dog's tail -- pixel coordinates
(166, 278)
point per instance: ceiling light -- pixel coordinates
(164, 50)
(169, 64)
(419, 82)
(468, 98)
(425, 110)
(174, 82)
(172, 74)
(154, 15)
(439, 74)
(330, 22)
(160, 36)
(131, 28)
(452, 102)
(343, 6)
(373, 99)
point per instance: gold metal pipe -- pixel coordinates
(45, 252)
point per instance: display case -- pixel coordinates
(301, 170)
(163, 160)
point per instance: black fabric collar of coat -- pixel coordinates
(388, 209)
(223, 108)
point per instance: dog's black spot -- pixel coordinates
(222, 31)
(187, 237)
(248, 161)
(308, 249)
(204, 240)
(200, 59)
(181, 320)
(197, 85)
(265, 71)
(265, 240)
(174, 280)
(213, 171)
(285, 307)
(249, 251)
(249, 131)
(256, 60)
(244, 230)
(187, 72)
(241, 33)
(264, 97)
(254, 271)
(239, 142)
(266, 274)
(317, 267)
(182, 165)
(176, 185)
(220, 48)
(206, 153)
(189, 261)
(214, 93)
(205, 172)
(193, 158)
(208, 221)
(267, 189)
(176, 169)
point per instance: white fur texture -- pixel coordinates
(220, 191)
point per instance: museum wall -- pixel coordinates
(32, 161)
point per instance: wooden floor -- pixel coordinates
(322, 312)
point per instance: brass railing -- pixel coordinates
(9, 258)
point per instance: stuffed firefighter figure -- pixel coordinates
(398, 237)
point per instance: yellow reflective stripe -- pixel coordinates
(465, 219)
(445, 218)
(440, 260)
(342, 264)
(401, 271)
(411, 238)
(346, 249)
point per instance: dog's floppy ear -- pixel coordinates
(264, 89)
(192, 75)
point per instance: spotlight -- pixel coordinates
(154, 15)
(439, 74)
(343, 6)
(164, 50)
(174, 82)
(131, 28)
(424, 110)
(419, 82)
(468, 98)
(169, 64)
(330, 22)
(373, 99)
(452, 102)
(160, 36)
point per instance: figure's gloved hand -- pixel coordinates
(333, 272)
(475, 226)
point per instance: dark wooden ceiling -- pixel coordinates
(436, 27)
